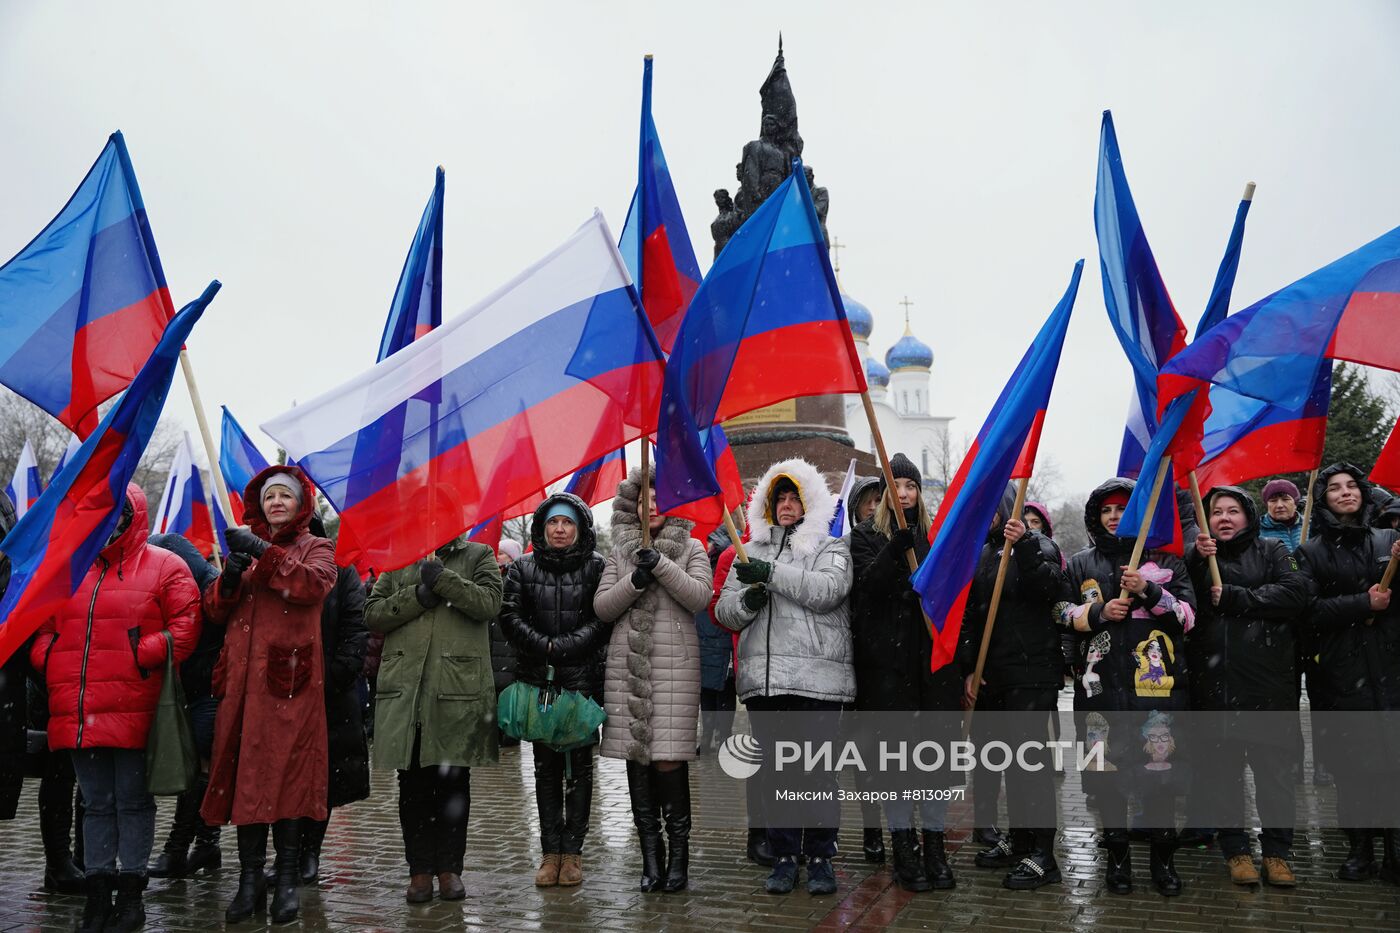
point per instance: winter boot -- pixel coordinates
(1006, 851)
(783, 878)
(873, 846)
(286, 900)
(908, 862)
(98, 908)
(1164, 875)
(1390, 856)
(251, 897)
(759, 851)
(1038, 867)
(129, 913)
(936, 862)
(173, 861)
(313, 833)
(1360, 864)
(646, 815)
(1118, 867)
(673, 791)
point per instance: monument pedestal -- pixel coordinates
(812, 428)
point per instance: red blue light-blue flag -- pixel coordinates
(1005, 449)
(417, 305)
(82, 306)
(239, 461)
(53, 546)
(597, 481)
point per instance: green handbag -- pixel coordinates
(171, 759)
(561, 719)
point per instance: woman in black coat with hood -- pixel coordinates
(547, 613)
(1242, 652)
(1355, 627)
(1130, 668)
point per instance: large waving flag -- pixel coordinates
(417, 305)
(53, 546)
(1386, 472)
(1274, 349)
(771, 295)
(239, 461)
(552, 371)
(82, 306)
(24, 489)
(708, 513)
(655, 243)
(597, 481)
(1245, 438)
(1004, 449)
(184, 509)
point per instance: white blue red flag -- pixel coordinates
(184, 508)
(25, 487)
(838, 521)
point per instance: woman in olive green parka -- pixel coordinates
(435, 707)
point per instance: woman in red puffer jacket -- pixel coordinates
(103, 658)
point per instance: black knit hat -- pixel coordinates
(903, 468)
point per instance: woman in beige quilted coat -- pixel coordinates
(652, 685)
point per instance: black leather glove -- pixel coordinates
(755, 597)
(234, 565)
(901, 540)
(642, 578)
(242, 541)
(647, 558)
(753, 571)
(429, 571)
(426, 597)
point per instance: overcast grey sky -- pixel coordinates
(288, 150)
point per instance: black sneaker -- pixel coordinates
(784, 876)
(821, 877)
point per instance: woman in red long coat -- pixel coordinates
(269, 763)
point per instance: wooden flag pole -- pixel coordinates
(1388, 576)
(1016, 511)
(210, 451)
(1307, 507)
(643, 495)
(1146, 525)
(879, 441)
(1204, 524)
(739, 551)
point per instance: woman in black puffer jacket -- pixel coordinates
(547, 613)
(1356, 629)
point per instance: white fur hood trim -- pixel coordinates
(818, 503)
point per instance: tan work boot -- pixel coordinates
(1278, 874)
(571, 870)
(420, 889)
(548, 875)
(1242, 870)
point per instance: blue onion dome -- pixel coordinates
(862, 321)
(875, 372)
(909, 353)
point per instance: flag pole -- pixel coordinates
(1146, 525)
(643, 495)
(739, 551)
(1016, 511)
(210, 451)
(1203, 522)
(878, 440)
(1307, 507)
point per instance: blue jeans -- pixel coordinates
(121, 817)
(932, 814)
(202, 711)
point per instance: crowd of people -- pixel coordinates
(668, 634)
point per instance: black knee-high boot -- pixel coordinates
(286, 901)
(173, 861)
(646, 814)
(313, 833)
(252, 887)
(673, 789)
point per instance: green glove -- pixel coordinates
(755, 597)
(754, 571)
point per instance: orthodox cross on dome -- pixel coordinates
(907, 305)
(836, 247)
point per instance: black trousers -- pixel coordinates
(434, 803)
(822, 719)
(1274, 795)
(717, 713)
(1016, 715)
(563, 796)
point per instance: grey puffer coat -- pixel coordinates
(652, 681)
(800, 642)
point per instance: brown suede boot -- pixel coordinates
(420, 889)
(571, 870)
(548, 875)
(1242, 870)
(1278, 873)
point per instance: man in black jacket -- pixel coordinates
(1242, 651)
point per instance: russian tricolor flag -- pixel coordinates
(56, 542)
(597, 481)
(184, 509)
(1005, 449)
(417, 306)
(239, 461)
(73, 445)
(655, 243)
(82, 306)
(24, 489)
(552, 371)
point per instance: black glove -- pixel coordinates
(426, 597)
(755, 597)
(753, 571)
(647, 558)
(429, 571)
(901, 540)
(242, 541)
(642, 578)
(234, 565)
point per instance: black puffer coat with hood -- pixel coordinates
(1358, 659)
(1138, 663)
(1025, 650)
(547, 608)
(1242, 652)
